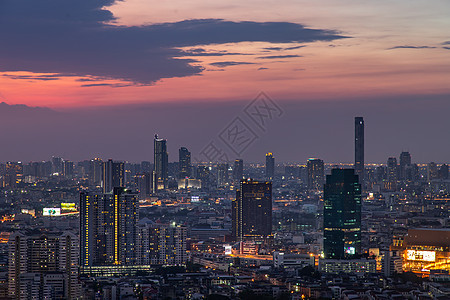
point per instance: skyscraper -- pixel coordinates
(108, 228)
(405, 161)
(184, 162)
(113, 175)
(359, 148)
(222, 174)
(252, 210)
(342, 215)
(238, 170)
(315, 173)
(270, 166)
(161, 161)
(95, 171)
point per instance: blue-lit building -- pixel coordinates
(342, 215)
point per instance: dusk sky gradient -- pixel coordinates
(109, 74)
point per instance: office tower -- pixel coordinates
(252, 210)
(67, 170)
(204, 174)
(443, 172)
(108, 228)
(222, 174)
(113, 175)
(184, 162)
(315, 173)
(433, 172)
(144, 185)
(146, 166)
(43, 264)
(359, 148)
(238, 170)
(405, 161)
(95, 171)
(162, 244)
(270, 166)
(161, 161)
(342, 215)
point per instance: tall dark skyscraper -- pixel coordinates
(392, 174)
(359, 148)
(342, 215)
(161, 161)
(405, 161)
(184, 162)
(108, 228)
(113, 175)
(270, 166)
(238, 170)
(316, 173)
(252, 210)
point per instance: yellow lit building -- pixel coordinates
(427, 249)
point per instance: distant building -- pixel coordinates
(238, 170)
(13, 174)
(113, 175)
(222, 175)
(392, 174)
(359, 148)
(108, 231)
(252, 210)
(270, 166)
(342, 215)
(184, 162)
(432, 172)
(355, 266)
(405, 162)
(144, 184)
(95, 171)
(43, 266)
(316, 173)
(161, 161)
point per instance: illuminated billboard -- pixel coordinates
(420, 255)
(51, 211)
(228, 249)
(68, 206)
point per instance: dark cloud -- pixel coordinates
(72, 37)
(273, 48)
(203, 52)
(262, 68)
(411, 47)
(222, 64)
(279, 56)
(283, 48)
(447, 48)
(446, 43)
(114, 85)
(294, 47)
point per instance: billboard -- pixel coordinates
(53, 211)
(420, 255)
(68, 206)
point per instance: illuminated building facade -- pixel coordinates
(108, 231)
(43, 263)
(316, 173)
(162, 244)
(252, 210)
(342, 215)
(427, 249)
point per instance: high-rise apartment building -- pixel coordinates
(43, 264)
(359, 148)
(252, 210)
(316, 173)
(342, 215)
(405, 161)
(108, 231)
(161, 244)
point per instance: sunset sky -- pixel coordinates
(191, 61)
